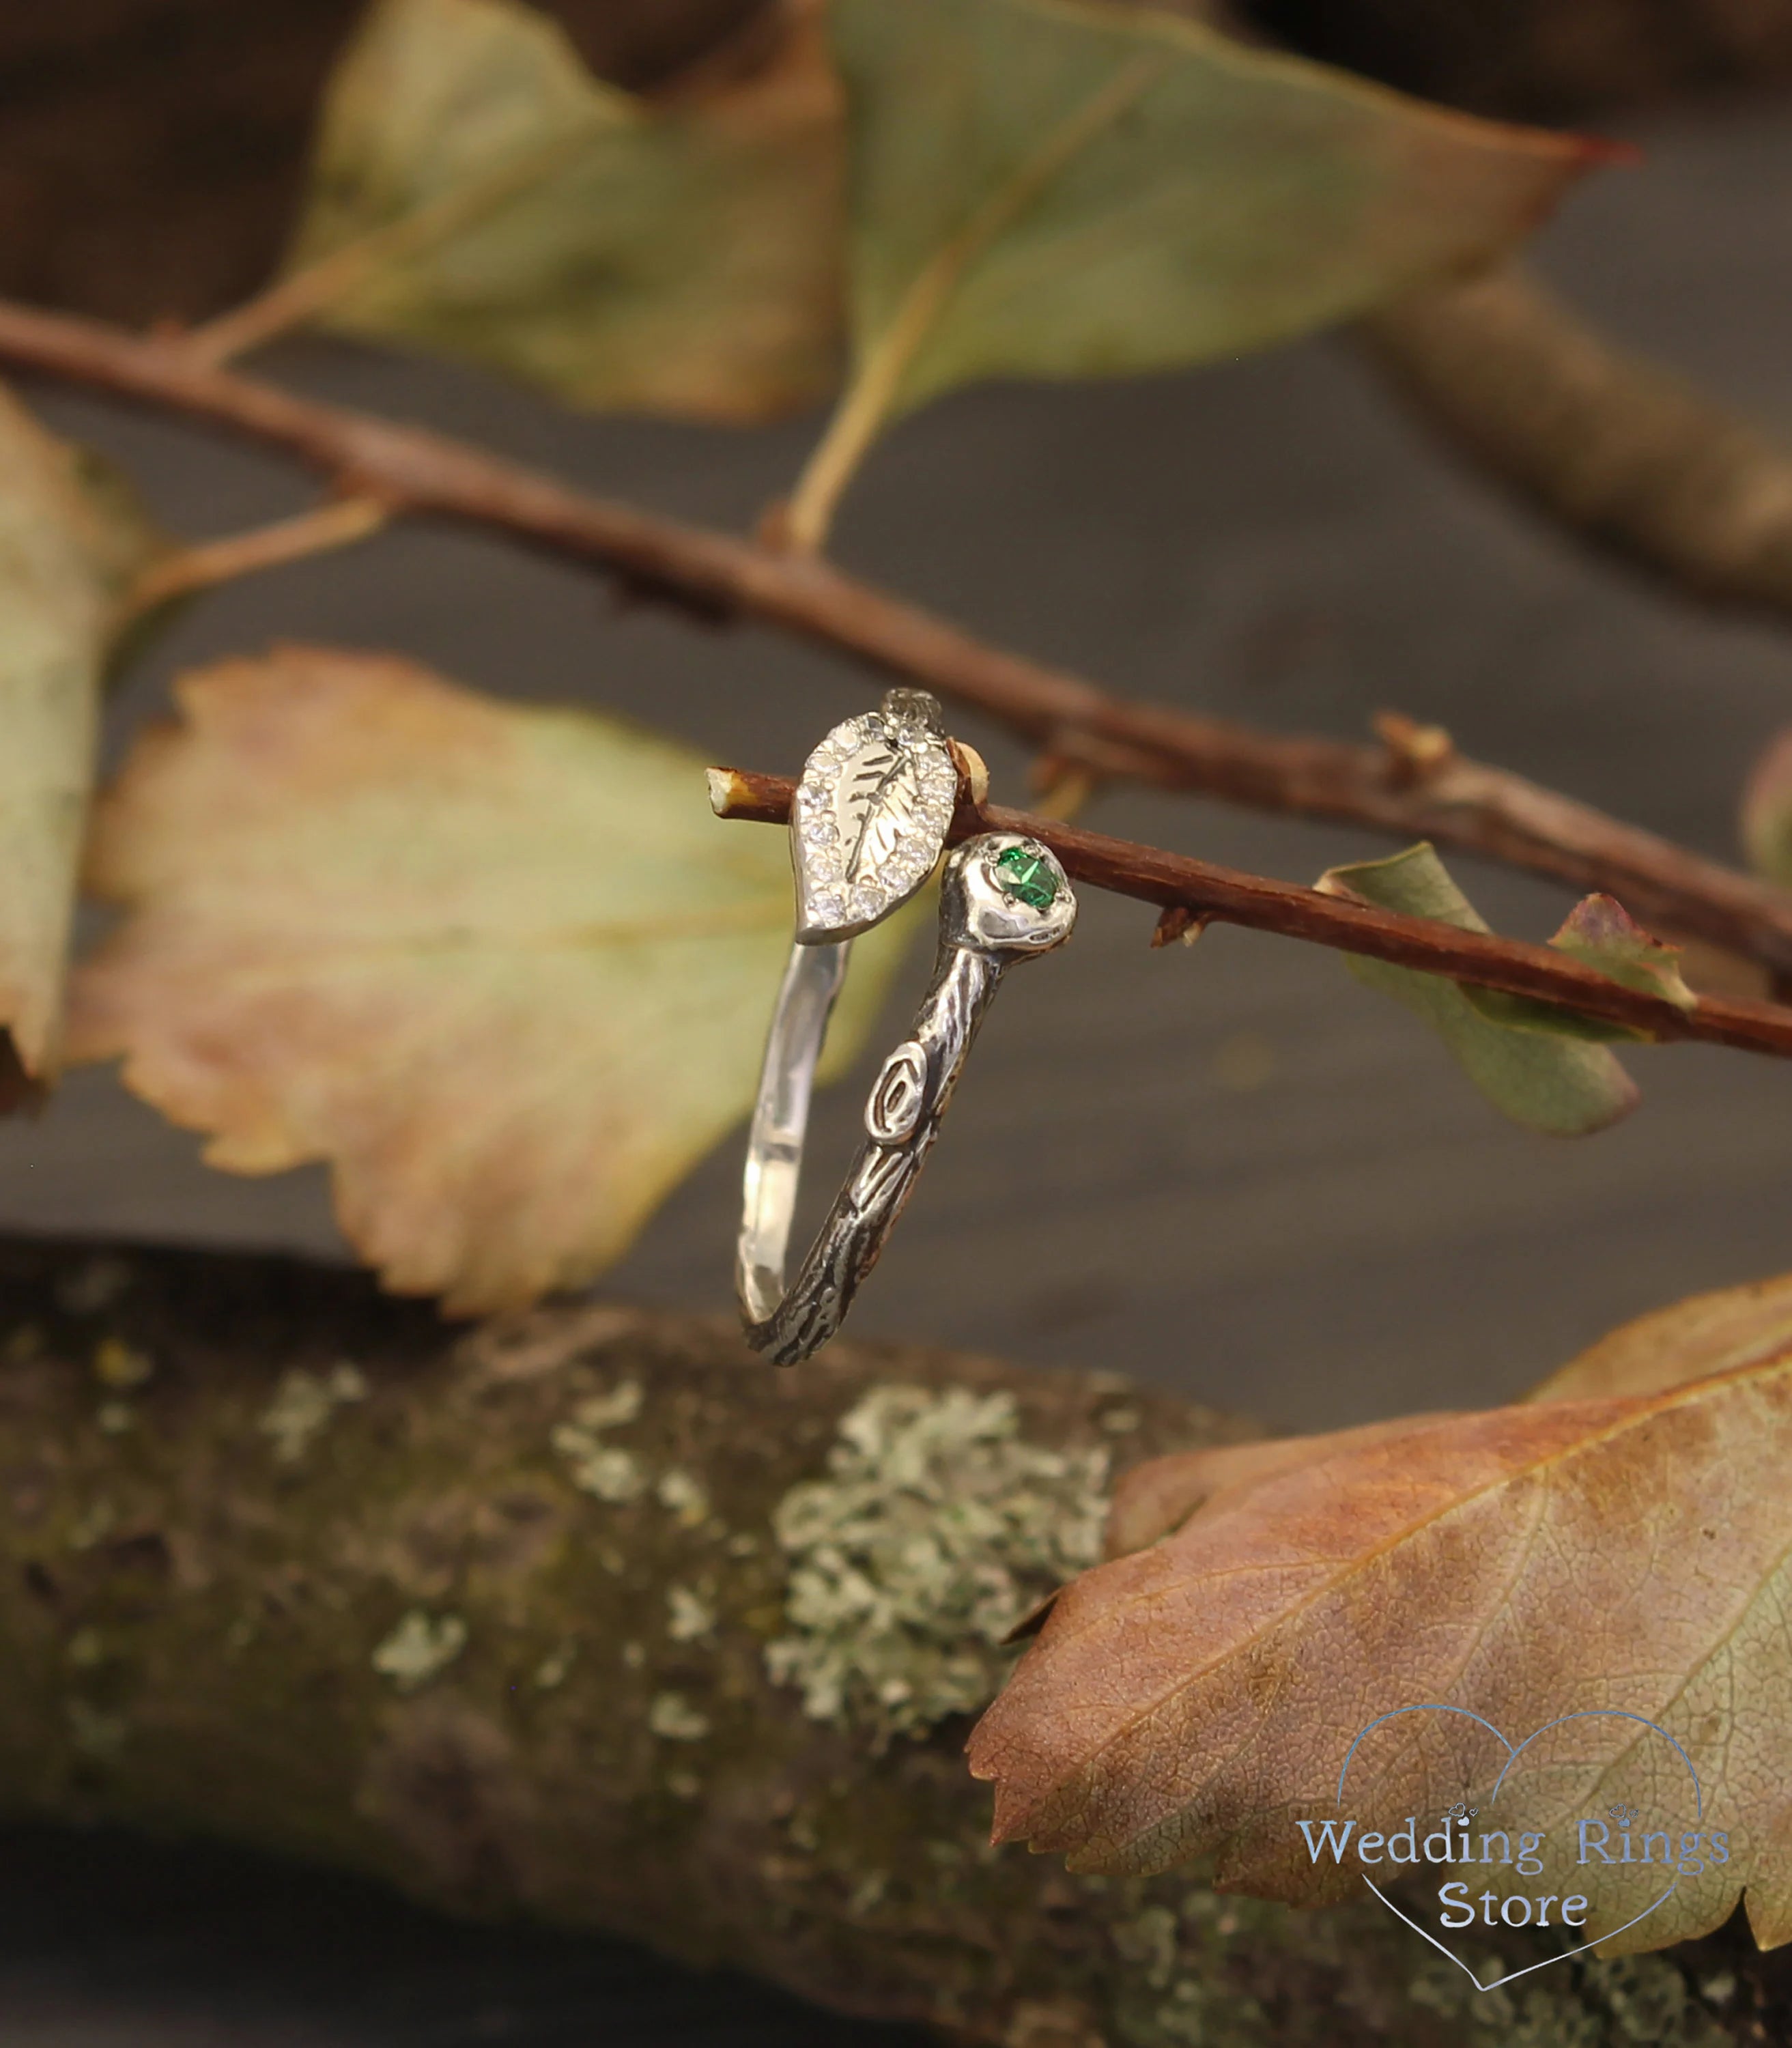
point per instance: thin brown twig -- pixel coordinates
(1457, 802)
(1175, 881)
(337, 524)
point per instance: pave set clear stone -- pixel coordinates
(916, 849)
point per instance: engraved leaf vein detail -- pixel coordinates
(880, 795)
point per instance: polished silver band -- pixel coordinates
(1003, 898)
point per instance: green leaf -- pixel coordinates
(501, 967)
(1042, 189)
(71, 542)
(1600, 933)
(476, 192)
(1539, 1077)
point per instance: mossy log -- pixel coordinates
(589, 1616)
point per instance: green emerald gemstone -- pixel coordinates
(1027, 876)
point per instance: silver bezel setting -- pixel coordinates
(978, 908)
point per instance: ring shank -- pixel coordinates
(1003, 899)
(775, 1146)
(908, 1101)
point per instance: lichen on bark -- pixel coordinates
(936, 1526)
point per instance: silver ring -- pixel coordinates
(866, 829)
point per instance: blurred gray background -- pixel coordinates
(1229, 1171)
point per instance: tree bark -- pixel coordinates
(485, 1611)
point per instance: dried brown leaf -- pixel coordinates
(1161, 1494)
(1705, 1334)
(1631, 1556)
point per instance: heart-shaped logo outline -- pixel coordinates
(1513, 1751)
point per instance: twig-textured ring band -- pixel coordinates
(866, 831)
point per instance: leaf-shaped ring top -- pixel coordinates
(870, 820)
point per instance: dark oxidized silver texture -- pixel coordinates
(986, 925)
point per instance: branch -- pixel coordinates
(369, 1613)
(1452, 801)
(1623, 455)
(1177, 883)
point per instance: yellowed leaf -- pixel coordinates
(1045, 189)
(501, 967)
(70, 542)
(1704, 1334)
(1606, 1559)
(477, 192)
